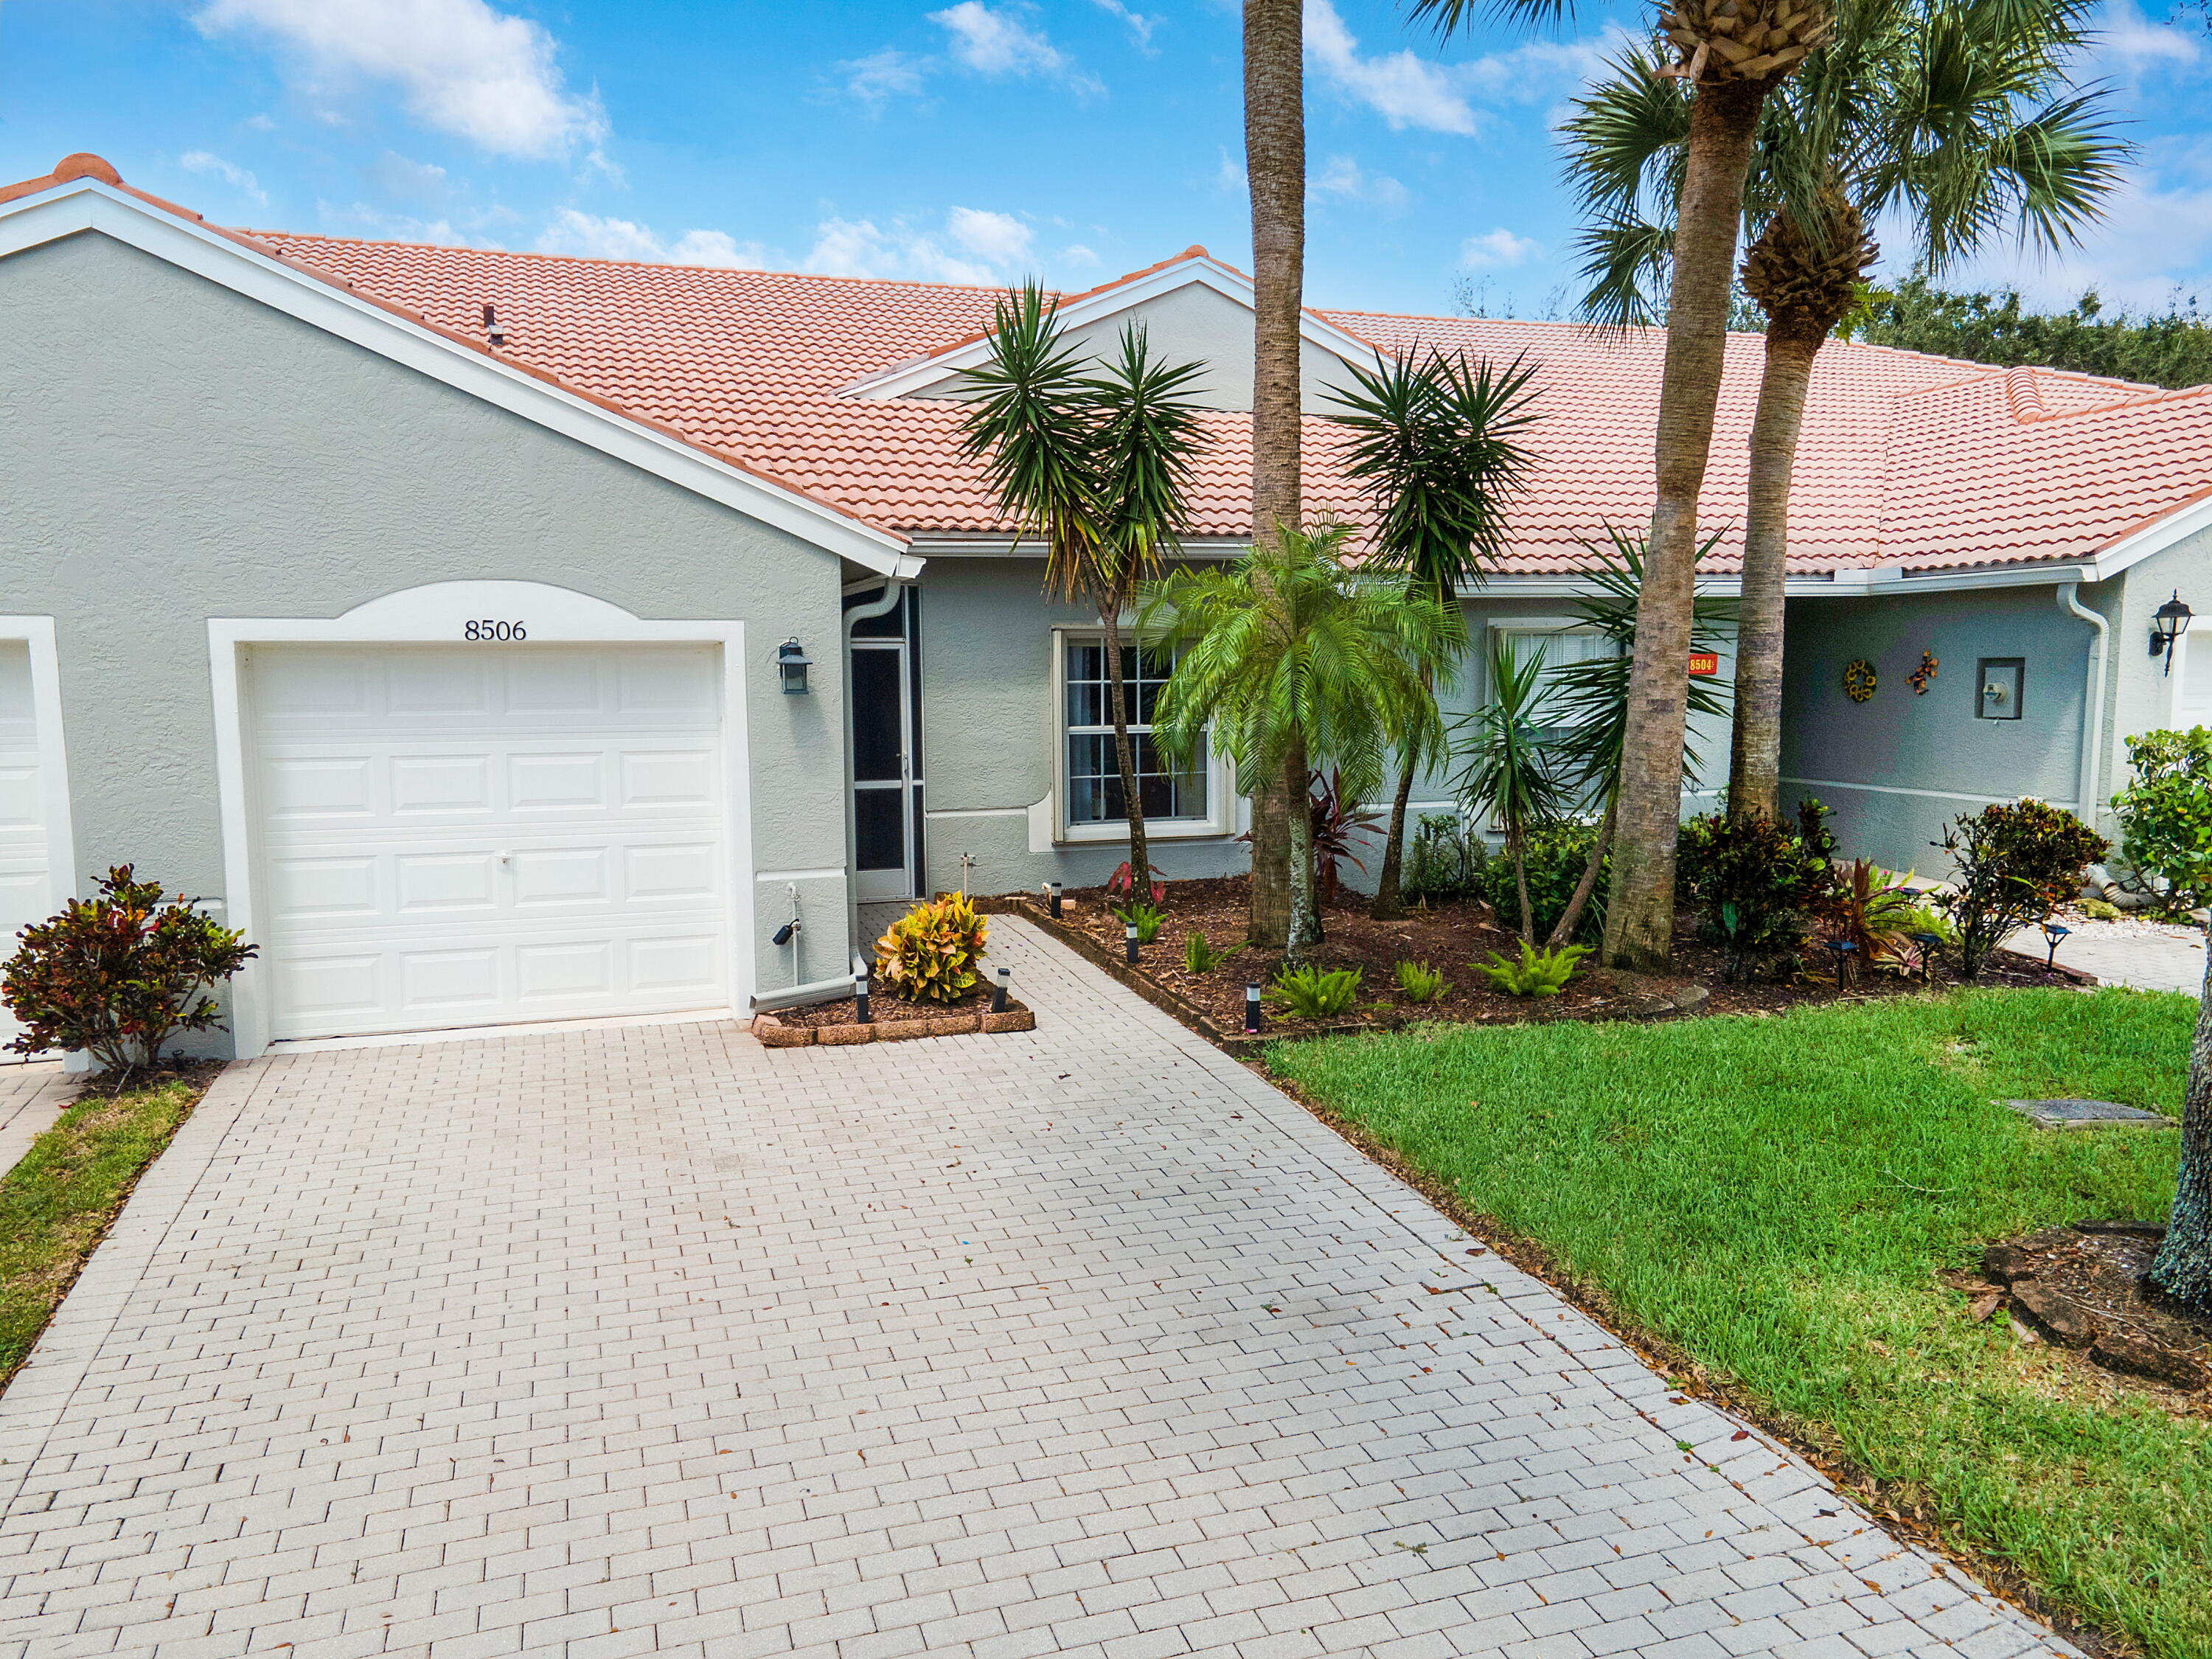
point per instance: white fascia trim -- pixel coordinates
(37, 633)
(87, 204)
(2153, 538)
(437, 613)
(921, 374)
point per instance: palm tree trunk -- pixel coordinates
(1275, 165)
(1639, 919)
(1755, 743)
(1578, 901)
(1304, 928)
(1389, 903)
(2182, 1268)
(1125, 759)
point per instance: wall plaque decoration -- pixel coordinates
(1858, 679)
(1921, 675)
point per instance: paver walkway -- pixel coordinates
(2126, 953)
(646, 1340)
(32, 1096)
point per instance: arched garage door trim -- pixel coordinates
(445, 613)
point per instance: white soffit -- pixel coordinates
(87, 204)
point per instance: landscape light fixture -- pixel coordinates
(1129, 939)
(1843, 950)
(792, 662)
(2168, 624)
(1052, 892)
(1251, 1007)
(1928, 942)
(1003, 982)
(2054, 933)
(860, 1012)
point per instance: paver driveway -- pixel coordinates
(646, 1340)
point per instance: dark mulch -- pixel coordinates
(2082, 1287)
(888, 1008)
(1452, 938)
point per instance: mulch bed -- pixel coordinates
(1452, 937)
(2082, 1287)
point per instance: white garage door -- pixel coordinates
(25, 894)
(457, 835)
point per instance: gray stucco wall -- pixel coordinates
(989, 731)
(172, 451)
(1927, 756)
(2140, 696)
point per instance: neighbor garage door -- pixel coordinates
(459, 835)
(25, 889)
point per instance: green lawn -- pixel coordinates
(55, 1204)
(1772, 1198)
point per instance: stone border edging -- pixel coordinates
(775, 1033)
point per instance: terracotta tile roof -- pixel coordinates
(1926, 462)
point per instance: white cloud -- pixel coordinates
(881, 75)
(585, 233)
(1404, 90)
(973, 246)
(1076, 254)
(362, 219)
(1497, 248)
(1229, 177)
(201, 160)
(996, 42)
(998, 238)
(2131, 44)
(1140, 26)
(461, 67)
(404, 180)
(1345, 179)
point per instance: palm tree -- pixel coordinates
(1732, 54)
(1291, 656)
(1590, 700)
(2183, 1267)
(1958, 114)
(1433, 447)
(1275, 170)
(1508, 775)
(1096, 466)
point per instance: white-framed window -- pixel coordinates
(1195, 799)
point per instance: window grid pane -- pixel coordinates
(1094, 781)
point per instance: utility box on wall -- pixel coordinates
(1997, 684)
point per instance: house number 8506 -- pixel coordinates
(493, 630)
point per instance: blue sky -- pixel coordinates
(960, 140)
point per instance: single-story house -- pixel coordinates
(435, 611)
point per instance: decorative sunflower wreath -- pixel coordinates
(1858, 679)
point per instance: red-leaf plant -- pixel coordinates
(115, 977)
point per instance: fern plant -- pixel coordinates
(1148, 918)
(928, 954)
(1198, 956)
(1310, 993)
(1538, 974)
(1420, 983)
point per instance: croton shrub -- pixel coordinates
(118, 974)
(929, 954)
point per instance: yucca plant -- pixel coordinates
(929, 954)
(1419, 981)
(1310, 992)
(1538, 974)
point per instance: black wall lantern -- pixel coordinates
(792, 663)
(2168, 624)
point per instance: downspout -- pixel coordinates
(2092, 717)
(893, 590)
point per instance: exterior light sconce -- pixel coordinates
(792, 662)
(2168, 624)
